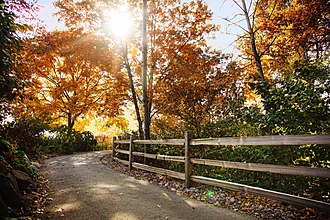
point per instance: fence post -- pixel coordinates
(188, 164)
(113, 146)
(130, 155)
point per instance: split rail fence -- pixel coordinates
(188, 176)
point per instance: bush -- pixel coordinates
(34, 136)
(15, 156)
(26, 133)
(299, 103)
(60, 142)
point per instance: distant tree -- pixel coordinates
(182, 65)
(70, 74)
(194, 87)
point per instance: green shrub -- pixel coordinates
(25, 133)
(15, 156)
(62, 143)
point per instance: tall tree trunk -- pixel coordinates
(135, 101)
(256, 55)
(153, 60)
(144, 73)
(145, 98)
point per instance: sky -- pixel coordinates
(225, 38)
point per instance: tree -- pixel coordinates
(71, 74)
(296, 30)
(145, 97)
(294, 43)
(172, 26)
(257, 54)
(134, 96)
(252, 52)
(193, 87)
(283, 32)
(179, 54)
(10, 41)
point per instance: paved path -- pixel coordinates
(83, 188)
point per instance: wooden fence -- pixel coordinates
(188, 176)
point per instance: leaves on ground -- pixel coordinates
(257, 206)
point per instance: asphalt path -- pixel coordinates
(81, 187)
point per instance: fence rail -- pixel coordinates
(280, 169)
(188, 176)
(265, 140)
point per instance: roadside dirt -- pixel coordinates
(81, 187)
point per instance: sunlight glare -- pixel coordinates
(120, 23)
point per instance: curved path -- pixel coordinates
(83, 188)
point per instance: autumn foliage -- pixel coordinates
(287, 32)
(85, 70)
(70, 74)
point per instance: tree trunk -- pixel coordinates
(256, 55)
(70, 124)
(145, 99)
(135, 101)
(144, 73)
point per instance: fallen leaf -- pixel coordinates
(59, 210)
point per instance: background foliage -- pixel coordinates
(36, 137)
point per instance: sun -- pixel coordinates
(119, 23)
